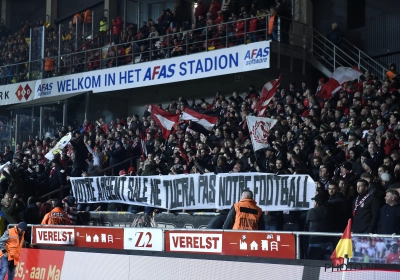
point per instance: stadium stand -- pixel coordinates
(349, 143)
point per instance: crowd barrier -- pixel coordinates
(60, 264)
(368, 248)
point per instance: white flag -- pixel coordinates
(59, 146)
(259, 130)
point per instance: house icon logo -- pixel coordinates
(254, 246)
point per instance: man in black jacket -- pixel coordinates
(11, 206)
(81, 155)
(365, 209)
(117, 154)
(337, 205)
(58, 176)
(319, 219)
(7, 156)
(389, 220)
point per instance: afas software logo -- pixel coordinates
(23, 92)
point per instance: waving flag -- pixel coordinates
(206, 121)
(344, 247)
(339, 77)
(268, 92)
(259, 130)
(165, 120)
(59, 146)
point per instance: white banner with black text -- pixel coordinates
(196, 191)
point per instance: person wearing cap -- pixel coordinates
(365, 209)
(11, 244)
(389, 217)
(57, 216)
(245, 214)
(319, 219)
(346, 173)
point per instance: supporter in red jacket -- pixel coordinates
(200, 10)
(253, 28)
(117, 28)
(214, 8)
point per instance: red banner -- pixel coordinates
(234, 243)
(39, 264)
(99, 237)
(88, 237)
(259, 244)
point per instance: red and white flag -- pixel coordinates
(259, 130)
(165, 120)
(268, 92)
(205, 121)
(339, 77)
(143, 139)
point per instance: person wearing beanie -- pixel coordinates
(370, 166)
(57, 216)
(385, 180)
(131, 171)
(10, 245)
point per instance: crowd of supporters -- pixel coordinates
(217, 26)
(348, 144)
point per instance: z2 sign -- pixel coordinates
(149, 239)
(143, 239)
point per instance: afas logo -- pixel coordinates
(44, 89)
(23, 92)
(256, 56)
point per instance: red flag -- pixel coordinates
(165, 120)
(207, 122)
(329, 88)
(339, 77)
(344, 247)
(268, 92)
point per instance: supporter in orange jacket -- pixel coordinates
(10, 245)
(57, 216)
(245, 215)
(87, 20)
(76, 19)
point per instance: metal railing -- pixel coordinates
(344, 54)
(60, 191)
(371, 64)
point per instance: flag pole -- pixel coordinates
(346, 259)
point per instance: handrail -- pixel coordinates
(118, 164)
(55, 191)
(87, 43)
(100, 172)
